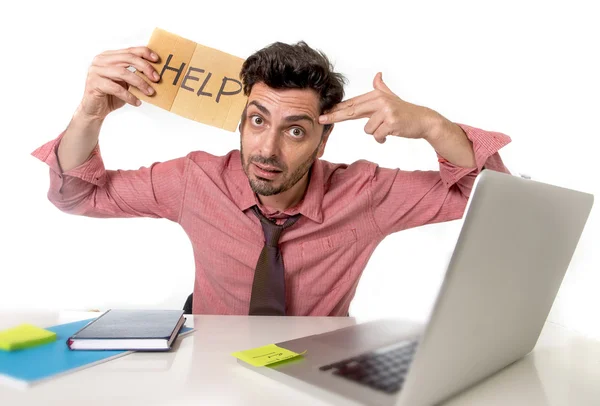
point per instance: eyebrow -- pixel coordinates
(262, 108)
(289, 119)
(300, 117)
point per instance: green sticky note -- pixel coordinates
(268, 354)
(24, 336)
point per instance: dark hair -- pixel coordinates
(297, 66)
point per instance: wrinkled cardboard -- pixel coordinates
(197, 82)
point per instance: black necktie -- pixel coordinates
(268, 287)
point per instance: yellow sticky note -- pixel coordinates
(268, 354)
(25, 336)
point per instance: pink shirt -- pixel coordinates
(346, 212)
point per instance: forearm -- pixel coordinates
(79, 140)
(450, 141)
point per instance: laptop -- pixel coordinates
(515, 244)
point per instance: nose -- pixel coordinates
(270, 143)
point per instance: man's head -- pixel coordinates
(288, 87)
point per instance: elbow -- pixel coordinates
(77, 205)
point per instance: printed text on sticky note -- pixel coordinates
(269, 354)
(197, 82)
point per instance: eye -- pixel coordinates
(256, 120)
(296, 132)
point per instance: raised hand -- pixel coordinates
(388, 114)
(108, 80)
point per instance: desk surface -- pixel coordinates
(564, 369)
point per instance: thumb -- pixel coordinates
(379, 85)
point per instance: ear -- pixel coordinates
(324, 142)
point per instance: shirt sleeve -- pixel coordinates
(91, 190)
(407, 199)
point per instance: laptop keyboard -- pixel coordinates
(384, 369)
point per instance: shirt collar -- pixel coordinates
(310, 206)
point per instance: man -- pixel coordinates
(335, 215)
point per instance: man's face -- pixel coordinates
(280, 137)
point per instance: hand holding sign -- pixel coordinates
(173, 73)
(388, 114)
(108, 80)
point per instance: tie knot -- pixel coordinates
(271, 230)
(272, 233)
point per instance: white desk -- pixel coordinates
(564, 369)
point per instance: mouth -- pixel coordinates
(265, 171)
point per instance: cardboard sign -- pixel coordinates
(197, 82)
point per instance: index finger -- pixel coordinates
(352, 101)
(350, 112)
(131, 61)
(142, 52)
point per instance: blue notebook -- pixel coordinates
(23, 368)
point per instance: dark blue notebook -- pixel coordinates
(132, 330)
(23, 368)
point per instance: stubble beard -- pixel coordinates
(265, 187)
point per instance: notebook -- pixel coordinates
(24, 368)
(131, 330)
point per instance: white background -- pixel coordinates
(528, 69)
